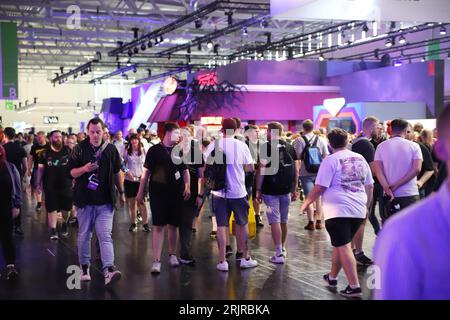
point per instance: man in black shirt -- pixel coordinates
(33, 164)
(57, 184)
(274, 187)
(15, 154)
(95, 166)
(169, 186)
(364, 147)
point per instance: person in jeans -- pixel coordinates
(276, 198)
(234, 196)
(364, 147)
(95, 166)
(15, 154)
(190, 152)
(345, 181)
(134, 158)
(397, 164)
(169, 186)
(412, 249)
(308, 179)
(52, 169)
(11, 202)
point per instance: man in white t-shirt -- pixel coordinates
(412, 249)
(119, 142)
(233, 197)
(308, 179)
(397, 164)
(346, 183)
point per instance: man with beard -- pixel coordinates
(53, 163)
(364, 147)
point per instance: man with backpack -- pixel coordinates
(227, 160)
(277, 177)
(311, 150)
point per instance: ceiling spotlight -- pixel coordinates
(216, 48)
(161, 39)
(269, 37)
(130, 53)
(188, 50)
(135, 32)
(209, 45)
(135, 50)
(443, 31)
(143, 47)
(188, 59)
(402, 40)
(198, 24)
(230, 18)
(128, 63)
(244, 31)
(430, 24)
(398, 63)
(264, 23)
(422, 60)
(321, 58)
(448, 55)
(149, 72)
(134, 69)
(149, 44)
(365, 28)
(389, 42)
(156, 42)
(199, 46)
(376, 54)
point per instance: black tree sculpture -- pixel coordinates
(210, 96)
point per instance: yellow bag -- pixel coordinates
(251, 222)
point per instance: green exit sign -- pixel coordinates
(9, 105)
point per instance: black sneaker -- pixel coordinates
(228, 251)
(133, 227)
(188, 261)
(18, 230)
(73, 221)
(259, 221)
(146, 228)
(351, 293)
(362, 259)
(331, 283)
(239, 256)
(53, 234)
(11, 272)
(64, 230)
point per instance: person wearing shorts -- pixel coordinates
(52, 170)
(234, 196)
(345, 181)
(169, 186)
(276, 196)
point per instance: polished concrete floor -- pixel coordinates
(43, 266)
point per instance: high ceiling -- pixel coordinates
(49, 37)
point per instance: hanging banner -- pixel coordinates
(369, 10)
(8, 61)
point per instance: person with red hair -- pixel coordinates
(11, 200)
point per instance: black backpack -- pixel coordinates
(216, 169)
(282, 180)
(311, 156)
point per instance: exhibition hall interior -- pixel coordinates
(224, 150)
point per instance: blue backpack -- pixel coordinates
(311, 156)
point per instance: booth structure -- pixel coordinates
(349, 116)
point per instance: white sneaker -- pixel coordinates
(156, 267)
(248, 263)
(222, 266)
(85, 276)
(284, 252)
(277, 259)
(112, 276)
(173, 260)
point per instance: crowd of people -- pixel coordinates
(341, 179)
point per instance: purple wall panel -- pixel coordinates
(409, 83)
